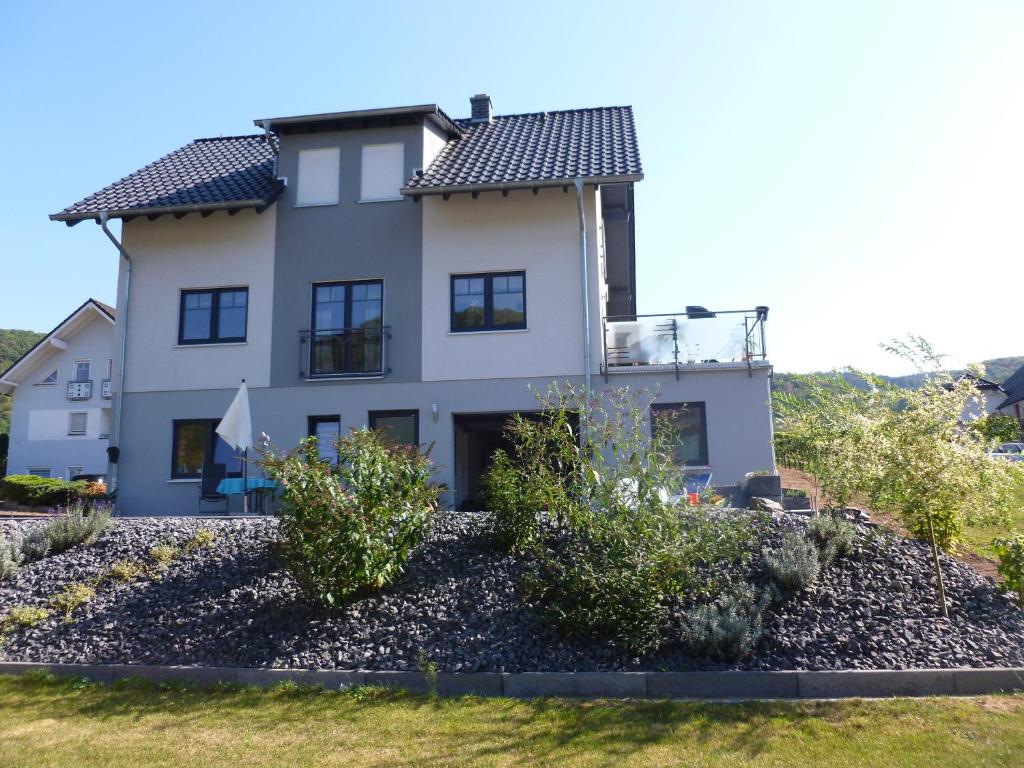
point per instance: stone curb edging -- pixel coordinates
(735, 686)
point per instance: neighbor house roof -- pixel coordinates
(535, 150)
(227, 173)
(67, 327)
(1014, 388)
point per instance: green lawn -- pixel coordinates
(49, 723)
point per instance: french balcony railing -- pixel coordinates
(79, 390)
(695, 339)
(105, 389)
(344, 353)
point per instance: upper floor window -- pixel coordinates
(83, 369)
(319, 176)
(347, 335)
(213, 316)
(50, 378)
(488, 302)
(77, 423)
(383, 172)
(685, 427)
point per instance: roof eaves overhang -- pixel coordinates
(71, 219)
(429, 111)
(453, 189)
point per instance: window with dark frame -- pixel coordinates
(495, 301)
(326, 429)
(400, 427)
(195, 442)
(687, 428)
(213, 316)
(347, 328)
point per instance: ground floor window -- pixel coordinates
(39, 471)
(326, 429)
(687, 430)
(195, 443)
(74, 472)
(400, 427)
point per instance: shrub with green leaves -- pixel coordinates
(11, 556)
(727, 629)
(513, 504)
(72, 597)
(351, 526)
(1010, 551)
(833, 536)
(793, 564)
(76, 525)
(43, 491)
(620, 548)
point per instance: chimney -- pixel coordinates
(480, 108)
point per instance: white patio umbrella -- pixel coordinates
(236, 430)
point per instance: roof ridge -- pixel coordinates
(229, 138)
(550, 112)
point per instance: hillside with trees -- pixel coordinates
(13, 344)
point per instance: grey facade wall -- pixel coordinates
(347, 241)
(739, 423)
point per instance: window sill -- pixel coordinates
(316, 205)
(382, 200)
(184, 480)
(211, 344)
(482, 333)
(345, 377)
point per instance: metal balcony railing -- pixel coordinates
(344, 352)
(696, 338)
(79, 390)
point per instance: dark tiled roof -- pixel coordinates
(207, 174)
(1014, 388)
(109, 310)
(534, 150)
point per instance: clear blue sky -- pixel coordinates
(858, 166)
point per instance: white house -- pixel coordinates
(61, 392)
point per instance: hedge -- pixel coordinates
(48, 491)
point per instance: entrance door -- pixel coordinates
(477, 437)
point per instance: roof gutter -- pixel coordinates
(113, 456)
(452, 189)
(121, 213)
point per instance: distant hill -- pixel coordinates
(998, 369)
(13, 344)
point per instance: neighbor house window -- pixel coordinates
(488, 302)
(74, 472)
(685, 427)
(83, 369)
(77, 422)
(399, 427)
(319, 176)
(39, 471)
(213, 316)
(326, 430)
(195, 442)
(382, 172)
(347, 331)
(50, 378)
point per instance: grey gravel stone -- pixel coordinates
(233, 605)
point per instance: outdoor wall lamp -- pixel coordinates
(433, 411)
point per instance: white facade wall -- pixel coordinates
(171, 255)
(40, 413)
(536, 233)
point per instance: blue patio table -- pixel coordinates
(236, 486)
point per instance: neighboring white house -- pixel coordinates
(60, 414)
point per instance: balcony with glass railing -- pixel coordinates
(344, 353)
(696, 339)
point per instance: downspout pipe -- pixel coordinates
(585, 280)
(122, 317)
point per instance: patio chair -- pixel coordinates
(209, 479)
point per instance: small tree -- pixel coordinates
(907, 452)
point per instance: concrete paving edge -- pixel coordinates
(619, 685)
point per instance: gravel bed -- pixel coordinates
(233, 605)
